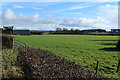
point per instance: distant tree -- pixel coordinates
(65, 29)
(72, 30)
(76, 30)
(58, 29)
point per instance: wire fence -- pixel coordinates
(18, 44)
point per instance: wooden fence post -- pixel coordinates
(15, 45)
(97, 67)
(118, 66)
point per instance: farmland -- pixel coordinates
(84, 50)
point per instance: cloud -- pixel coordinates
(36, 17)
(78, 7)
(85, 22)
(9, 15)
(109, 6)
(73, 13)
(0, 12)
(68, 9)
(37, 8)
(15, 6)
(109, 13)
(49, 16)
(10, 18)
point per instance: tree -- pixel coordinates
(58, 29)
(65, 29)
(76, 30)
(72, 30)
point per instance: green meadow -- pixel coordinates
(84, 50)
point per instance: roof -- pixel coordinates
(21, 30)
(8, 25)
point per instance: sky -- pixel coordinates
(50, 15)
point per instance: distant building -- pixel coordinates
(115, 30)
(37, 32)
(21, 32)
(8, 29)
(94, 30)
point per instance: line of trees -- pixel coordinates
(66, 30)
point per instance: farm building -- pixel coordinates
(115, 30)
(8, 29)
(21, 32)
(95, 30)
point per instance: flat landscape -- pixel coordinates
(84, 50)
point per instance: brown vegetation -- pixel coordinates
(7, 41)
(39, 63)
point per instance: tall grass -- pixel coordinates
(10, 68)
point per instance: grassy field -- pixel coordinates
(84, 50)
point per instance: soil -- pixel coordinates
(38, 63)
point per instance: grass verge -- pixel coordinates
(10, 65)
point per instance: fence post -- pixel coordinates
(15, 46)
(118, 66)
(97, 67)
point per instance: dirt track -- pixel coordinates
(39, 63)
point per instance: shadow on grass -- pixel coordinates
(103, 40)
(108, 43)
(110, 49)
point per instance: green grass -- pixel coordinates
(84, 50)
(10, 69)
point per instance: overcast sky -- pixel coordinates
(50, 15)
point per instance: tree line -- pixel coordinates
(66, 30)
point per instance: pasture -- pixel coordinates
(84, 50)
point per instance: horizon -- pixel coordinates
(51, 30)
